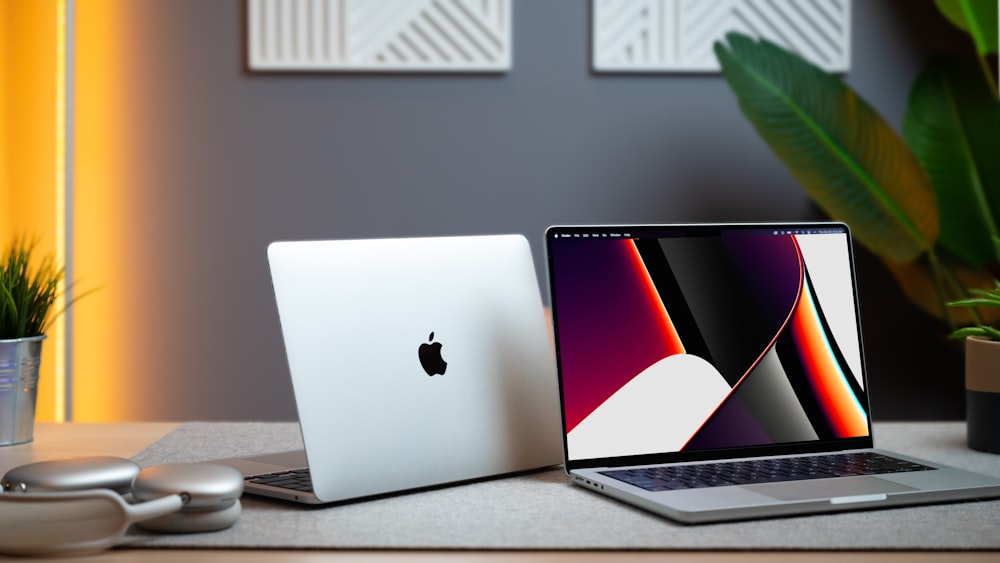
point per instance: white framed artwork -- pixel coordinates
(658, 36)
(379, 35)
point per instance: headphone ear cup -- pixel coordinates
(186, 522)
(211, 494)
(72, 474)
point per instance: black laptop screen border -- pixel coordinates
(578, 233)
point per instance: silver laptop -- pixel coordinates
(415, 363)
(715, 372)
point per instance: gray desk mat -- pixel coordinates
(542, 511)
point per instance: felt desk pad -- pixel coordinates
(543, 511)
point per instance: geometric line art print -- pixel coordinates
(678, 35)
(379, 35)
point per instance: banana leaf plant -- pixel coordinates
(926, 202)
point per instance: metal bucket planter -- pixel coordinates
(19, 361)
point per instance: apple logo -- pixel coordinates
(430, 357)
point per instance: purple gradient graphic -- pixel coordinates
(602, 348)
(732, 300)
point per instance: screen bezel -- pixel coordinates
(687, 230)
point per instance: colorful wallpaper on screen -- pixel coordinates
(680, 344)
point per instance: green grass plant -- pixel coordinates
(27, 291)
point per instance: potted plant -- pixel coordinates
(27, 293)
(982, 372)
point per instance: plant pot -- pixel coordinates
(982, 393)
(19, 361)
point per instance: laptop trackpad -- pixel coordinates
(828, 488)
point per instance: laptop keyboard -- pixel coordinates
(295, 479)
(750, 472)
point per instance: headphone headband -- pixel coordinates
(65, 520)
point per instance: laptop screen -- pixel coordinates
(693, 341)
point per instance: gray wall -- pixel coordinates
(224, 161)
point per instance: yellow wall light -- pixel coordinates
(35, 94)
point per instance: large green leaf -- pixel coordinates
(848, 159)
(978, 18)
(953, 126)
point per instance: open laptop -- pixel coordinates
(715, 372)
(415, 362)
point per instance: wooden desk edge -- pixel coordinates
(54, 440)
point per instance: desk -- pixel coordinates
(127, 439)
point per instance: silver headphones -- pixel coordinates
(83, 505)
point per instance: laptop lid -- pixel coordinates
(695, 342)
(416, 362)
